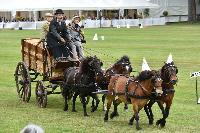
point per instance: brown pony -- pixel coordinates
(169, 76)
(136, 91)
(122, 66)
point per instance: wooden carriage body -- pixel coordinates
(34, 55)
(38, 61)
(37, 58)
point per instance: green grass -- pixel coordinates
(154, 43)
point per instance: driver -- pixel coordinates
(58, 36)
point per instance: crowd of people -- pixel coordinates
(64, 41)
(22, 19)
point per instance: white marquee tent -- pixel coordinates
(36, 5)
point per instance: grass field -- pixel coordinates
(154, 43)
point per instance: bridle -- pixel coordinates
(167, 73)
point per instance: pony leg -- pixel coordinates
(103, 101)
(95, 97)
(66, 104)
(115, 112)
(126, 107)
(93, 103)
(109, 103)
(149, 112)
(165, 112)
(65, 95)
(131, 120)
(84, 105)
(74, 102)
(136, 114)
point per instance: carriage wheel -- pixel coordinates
(23, 81)
(41, 94)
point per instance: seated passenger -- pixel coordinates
(58, 36)
(45, 26)
(77, 36)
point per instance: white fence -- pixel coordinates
(123, 22)
(91, 23)
(176, 18)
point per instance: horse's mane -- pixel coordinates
(144, 75)
(168, 64)
(84, 64)
(124, 58)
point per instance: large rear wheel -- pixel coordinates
(23, 82)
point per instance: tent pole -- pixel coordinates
(100, 17)
(79, 13)
(119, 14)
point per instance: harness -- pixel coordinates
(133, 94)
(166, 90)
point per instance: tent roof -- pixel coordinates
(36, 5)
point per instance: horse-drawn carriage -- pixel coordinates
(38, 65)
(75, 78)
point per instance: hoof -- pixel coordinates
(130, 123)
(105, 119)
(74, 110)
(138, 128)
(126, 108)
(93, 109)
(86, 115)
(65, 109)
(150, 122)
(158, 122)
(113, 114)
(162, 124)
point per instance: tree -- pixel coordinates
(192, 10)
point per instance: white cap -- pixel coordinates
(145, 65)
(169, 59)
(76, 16)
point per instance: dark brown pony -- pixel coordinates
(122, 66)
(169, 76)
(136, 91)
(82, 81)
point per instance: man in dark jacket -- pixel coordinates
(58, 37)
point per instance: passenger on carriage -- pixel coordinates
(77, 36)
(58, 38)
(45, 26)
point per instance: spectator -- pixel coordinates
(45, 26)
(32, 128)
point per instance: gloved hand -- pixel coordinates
(83, 41)
(62, 40)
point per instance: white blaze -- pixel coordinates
(127, 68)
